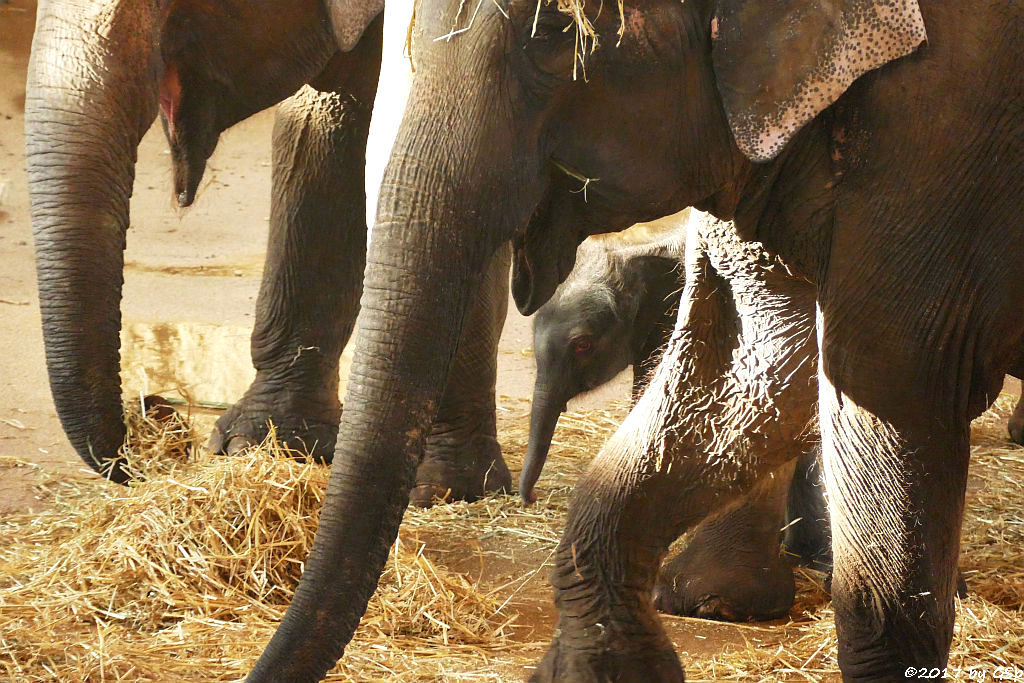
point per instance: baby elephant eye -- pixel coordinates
(582, 347)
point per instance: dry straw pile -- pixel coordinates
(184, 576)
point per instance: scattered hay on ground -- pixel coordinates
(185, 575)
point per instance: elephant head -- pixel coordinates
(98, 74)
(612, 311)
(500, 142)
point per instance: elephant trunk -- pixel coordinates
(84, 117)
(421, 276)
(543, 418)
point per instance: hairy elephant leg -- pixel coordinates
(728, 404)
(312, 279)
(896, 494)
(462, 459)
(732, 567)
(895, 457)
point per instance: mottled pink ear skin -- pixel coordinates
(349, 19)
(780, 64)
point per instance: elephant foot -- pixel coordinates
(1016, 424)
(304, 423)
(725, 587)
(590, 664)
(460, 470)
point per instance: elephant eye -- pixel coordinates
(583, 346)
(548, 42)
(548, 23)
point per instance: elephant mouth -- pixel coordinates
(538, 268)
(191, 134)
(545, 251)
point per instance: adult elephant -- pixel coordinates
(99, 74)
(884, 169)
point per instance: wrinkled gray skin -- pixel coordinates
(738, 376)
(895, 195)
(99, 74)
(616, 308)
(620, 304)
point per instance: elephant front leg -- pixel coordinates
(639, 494)
(727, 406)
(312, 279)
(733, 567)
(462, 459)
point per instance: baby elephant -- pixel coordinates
(616, 308)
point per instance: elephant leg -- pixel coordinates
(896, 492)
(312, 278)
(733, 568)
(727, 405)
(898, 388)
(1016, 423)
(462, 459)
(895, 458)
(808, 535)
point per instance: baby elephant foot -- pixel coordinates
(564, 662)
(304, 424)
(460, 470)
(725, 588)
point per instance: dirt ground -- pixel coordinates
(191, 282)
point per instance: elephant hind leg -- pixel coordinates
(313, 274)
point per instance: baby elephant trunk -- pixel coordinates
(543, 418)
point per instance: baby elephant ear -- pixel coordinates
(779, 63)
(349, 18)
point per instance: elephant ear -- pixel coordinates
(349, 18)
(779, 63)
